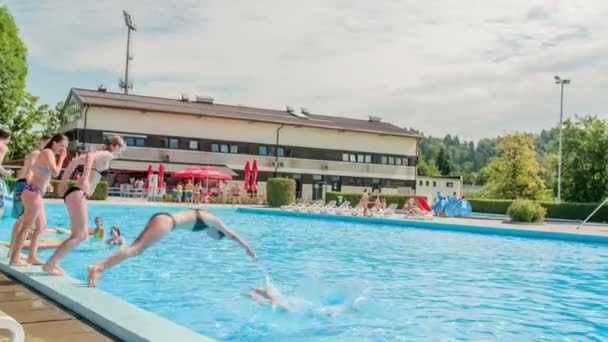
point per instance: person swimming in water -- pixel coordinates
(117, 239)
(98, 232)
(161, 224)
(268, 296)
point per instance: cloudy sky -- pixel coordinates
(472, 68)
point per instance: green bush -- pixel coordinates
(564, 211)
(355, 197)
(526, 211)
(280, 191)
(100, 193)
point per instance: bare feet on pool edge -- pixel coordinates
(93, 275)
(35, 261)
(20, 263)
(54, 271)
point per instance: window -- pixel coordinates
(434, 184)
(234, 148)
(353, 158)
(263, 150)
(215, 147)
(360, 158)
(420, 183)
(426, 183)
(406, 161)
(140, 142)
(164, 143)
(173, 143)
(368, 158)
(224, 148)
(129, 140)
(280, 151)
(397, 161)
(345, 157)
(449, 184)
(193, 144)
(391, 160)
(383, 160)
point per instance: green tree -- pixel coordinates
(585, 159)
(13, 66)
(29, 120)
(52, 121)
(427, 168)
(443, 162)
(516, 172)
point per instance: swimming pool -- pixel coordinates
(380, 282)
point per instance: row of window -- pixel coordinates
(193, 144)
(427, 183)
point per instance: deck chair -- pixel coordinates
(9, 323)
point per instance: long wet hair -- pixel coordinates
(117, 230)
(116, 140)
(57, 138)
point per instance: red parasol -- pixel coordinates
(161, 176)
(201, 173)
(254, 176)
(247, 176)
(149, 174)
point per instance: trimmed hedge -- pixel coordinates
(526, 211)
(280, 191)
(100, 193)
(355, 197)
(566, 211)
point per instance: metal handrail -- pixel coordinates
(593, 213)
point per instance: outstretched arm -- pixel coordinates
(222, 227)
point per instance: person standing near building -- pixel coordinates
(96, 166)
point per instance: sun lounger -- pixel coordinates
(299, 203)
(345, 206)
(306, 207)
(9, 323)
(390, 210)
(315, 207)
(329, 206)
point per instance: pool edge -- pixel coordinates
(441, 226)
(116, 316)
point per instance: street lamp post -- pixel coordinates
(125, 84)
(561, 82)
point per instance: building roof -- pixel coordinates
(176, 106)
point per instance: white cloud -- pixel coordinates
(474, 68)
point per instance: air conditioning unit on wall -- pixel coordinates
(276, 163)
(324, 167)
(166, 157)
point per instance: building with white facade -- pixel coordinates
(322, 153)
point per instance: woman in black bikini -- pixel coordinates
(96, 166)
(160, 225)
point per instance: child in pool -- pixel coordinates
(161, 224)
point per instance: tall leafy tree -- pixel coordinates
(585, 159)
(515, 171)
(427, 168)
(29, 121)
(13, 66)
(443, 162)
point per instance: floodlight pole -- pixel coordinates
(130, 27)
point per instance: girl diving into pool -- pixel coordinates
(159, 226)
(96, 166)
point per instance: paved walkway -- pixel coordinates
(43, 321)
(562, 227)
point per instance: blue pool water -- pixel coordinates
(378, 282)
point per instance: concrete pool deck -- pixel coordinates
(565, 231)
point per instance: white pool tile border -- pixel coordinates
(114, 315)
